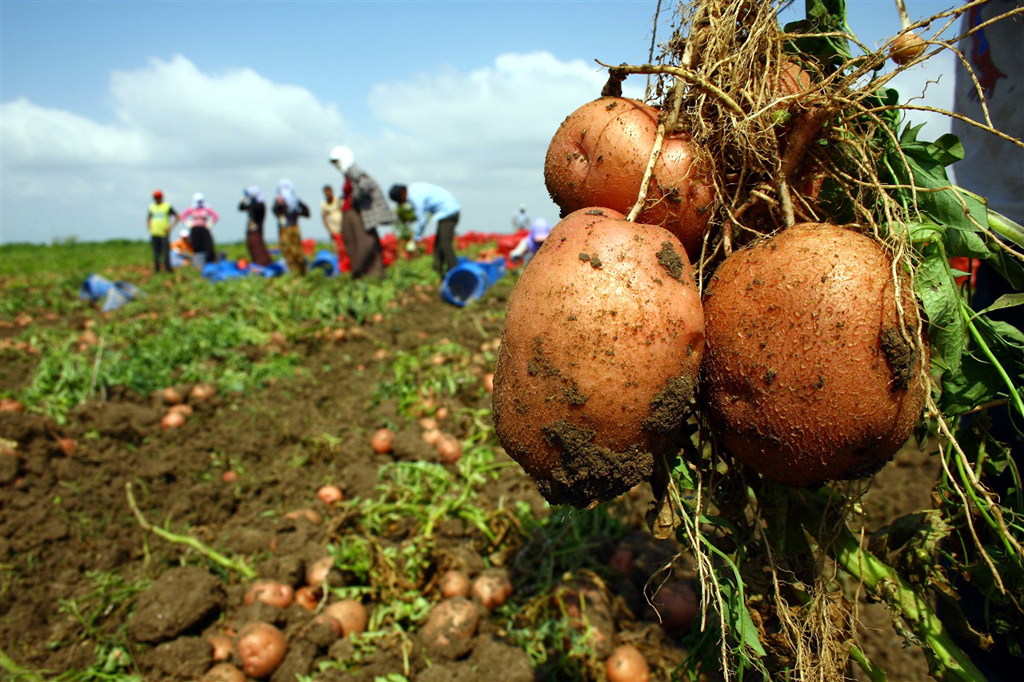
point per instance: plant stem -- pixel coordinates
(875, 673)
(1014, 398)
(239, 566)
(946, 659)
(7, 664)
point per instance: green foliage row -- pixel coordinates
(183, 329)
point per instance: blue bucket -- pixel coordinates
(469, 280)
(326, 261)
(94, 288)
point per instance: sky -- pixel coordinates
(101, 102)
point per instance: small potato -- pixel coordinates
(450, 628)
(449, 449)
(317, 571)
(261, 647)
(221, 646)
(201, 393)
(306, 598)
(676, 604)
(223, 672)
(330, 494)
(172, 396)
(492, 589)
(172, 420)
(431, 436)
(381, 440)
(351, 614)
(270, 592)
(455, 584)
(627, 664)
(906, 48)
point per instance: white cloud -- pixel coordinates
(482, 134)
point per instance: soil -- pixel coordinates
(81, 574)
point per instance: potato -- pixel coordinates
(598, 156)
(906, 48)
(450, 627)
(455, 584)
(598, 364)
(351, 614)
(807, 372)
(492, 589)
(675, 605)
(261, 648)
(223, 672)
(271, 592)
(627, 664)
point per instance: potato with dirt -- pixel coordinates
(811, 370)
(598, 156)
(598, 365)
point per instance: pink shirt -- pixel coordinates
(199, 217)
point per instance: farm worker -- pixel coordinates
(432, 204)
(200, 219)
(369, 210)
(252, 203)
(181, 249)
(160, 220)
(289, 208)
(539, 231)
(521, 219)
(330, 213)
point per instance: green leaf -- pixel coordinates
(978, 380)
(739, 620)
(936, 287)
(1005, 301)
(822, 16)
(947, 149)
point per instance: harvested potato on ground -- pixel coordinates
(810, 374)
(261, 648)
(627, 664)
(598, 364)
(271, 592)
(450, 627)
(223, 672)
(350, 614)
(598, 156)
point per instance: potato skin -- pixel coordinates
(598, 156)
(598, 362)
(806, 376)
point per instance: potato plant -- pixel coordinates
(835, 329)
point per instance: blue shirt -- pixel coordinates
(430, 203)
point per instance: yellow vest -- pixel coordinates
(159, 219)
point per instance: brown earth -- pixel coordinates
(80, 575)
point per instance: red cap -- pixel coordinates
(157, 193)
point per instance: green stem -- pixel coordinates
(874, 673)
(1014, 397)
(238, 566)
(946, 659)
(16, 670)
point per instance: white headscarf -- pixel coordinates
(198, 200)
(344, 157)
(286, 190)
(253, 192)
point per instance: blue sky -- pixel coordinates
(103, 101)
